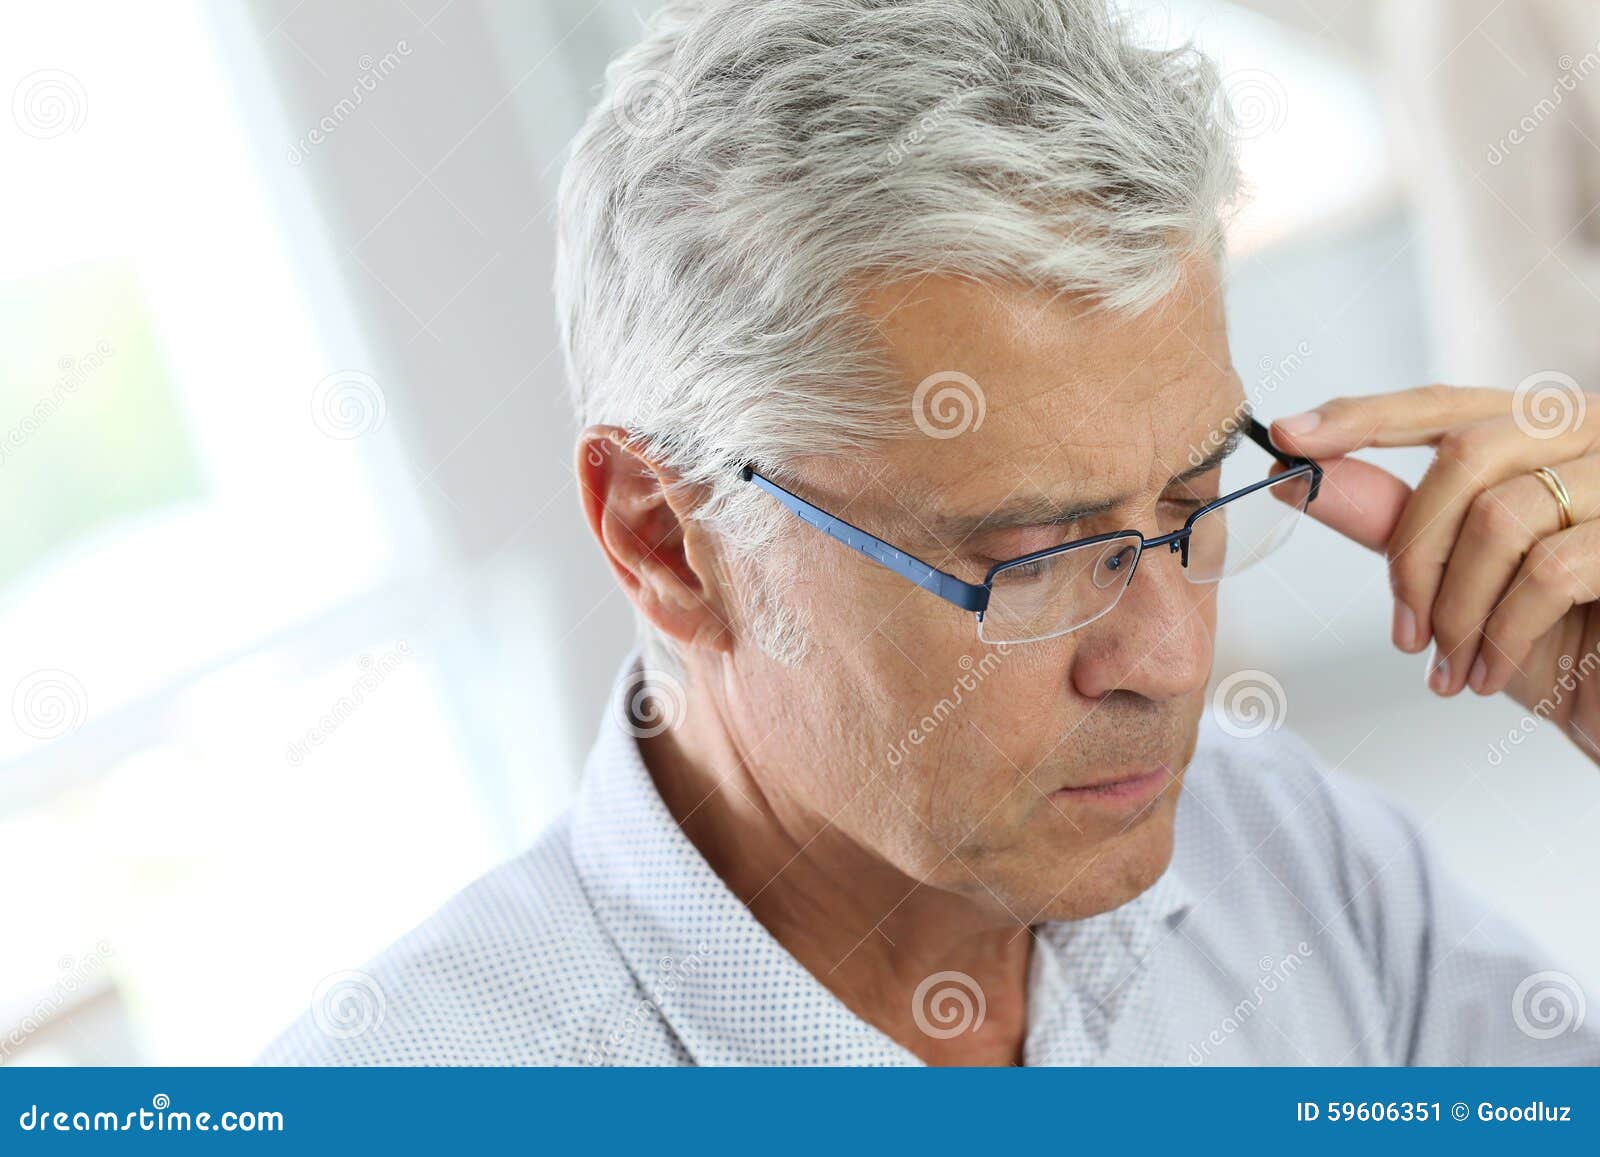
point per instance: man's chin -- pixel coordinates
(1106, 875)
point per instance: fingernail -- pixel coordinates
(1299, 423)
(1405, 627)
(1439, 678)
(1480, 673)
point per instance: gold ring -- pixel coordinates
(1552, 482)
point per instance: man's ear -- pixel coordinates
(640, 518)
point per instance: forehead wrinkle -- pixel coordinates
(935, 505)
(1208, 306)
(1042, 509)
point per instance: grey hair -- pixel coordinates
(752, 164)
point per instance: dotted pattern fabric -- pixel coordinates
(1301, 922)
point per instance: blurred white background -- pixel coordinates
(299, 626)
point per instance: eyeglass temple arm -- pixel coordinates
(967, 596)
(1258, 435)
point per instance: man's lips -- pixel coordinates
(1135, 786)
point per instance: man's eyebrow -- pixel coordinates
(1041, 510)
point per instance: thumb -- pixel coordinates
(1361, 501)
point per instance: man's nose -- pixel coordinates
(1157, 640)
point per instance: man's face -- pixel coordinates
(973, 767)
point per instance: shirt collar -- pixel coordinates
(690, 942)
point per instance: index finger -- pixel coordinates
(1415, 417)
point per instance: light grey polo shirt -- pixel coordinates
(1302, 922)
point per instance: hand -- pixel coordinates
(1478, 559)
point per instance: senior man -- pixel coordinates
(911, 433)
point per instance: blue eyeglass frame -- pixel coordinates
(975, 596)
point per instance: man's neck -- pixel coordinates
(868, 932)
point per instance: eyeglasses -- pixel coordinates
(1051, 592)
